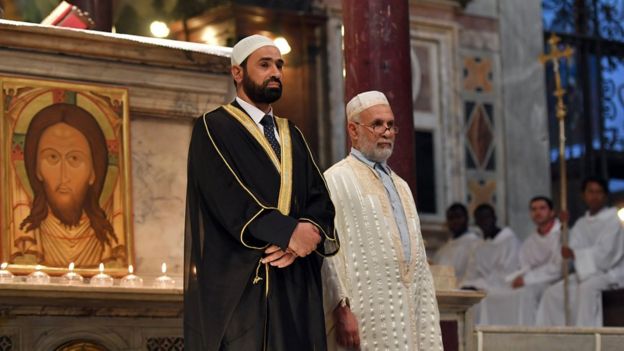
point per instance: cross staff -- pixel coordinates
(554, 56)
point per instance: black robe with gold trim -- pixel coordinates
(240, 199)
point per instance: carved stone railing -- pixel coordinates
(46, 317)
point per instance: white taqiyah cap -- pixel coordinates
(365, 100)
(248, 45)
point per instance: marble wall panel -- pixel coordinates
(479, 40)
(524, 109)
(484, 8)
(159, 158)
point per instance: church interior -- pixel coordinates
(480, 90)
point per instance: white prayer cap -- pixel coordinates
(365, 100)
(247, 46)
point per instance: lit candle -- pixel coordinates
(101, 279)
(71, 277)
(131, 280)
(164, 281)
(5, 275)
(38, 277)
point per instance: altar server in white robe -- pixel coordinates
(459, 248)
(496, 257)
(597, 253)
(540, 266)
(378, 290)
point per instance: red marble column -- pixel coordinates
(377, 57)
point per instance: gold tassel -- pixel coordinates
(257, 278)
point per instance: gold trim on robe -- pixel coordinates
(284, 167)
(393, 300)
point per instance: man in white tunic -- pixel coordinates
(496, 257)
(540, 266)
(457, 251)
(597, 253)
(379, 292)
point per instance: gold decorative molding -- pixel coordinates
(114, 47)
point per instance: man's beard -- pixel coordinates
(376, 154)
(261, 93)
(68, 212)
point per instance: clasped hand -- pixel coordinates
(277, 257)
(567, 252)
(303, 241)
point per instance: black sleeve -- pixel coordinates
(319, 208)
(229, 201)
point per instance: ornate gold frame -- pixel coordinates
(12, 89)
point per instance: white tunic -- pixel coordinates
(492, 261)
(456, 252)
(540, 256)
(598, 245)
(393, 299)
(540, 264)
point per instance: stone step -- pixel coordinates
(506, 338)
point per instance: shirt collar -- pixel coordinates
(255, 113)
(604, 214)
(360, 156)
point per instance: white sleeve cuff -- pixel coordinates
(584, 263)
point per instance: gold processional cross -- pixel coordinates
(554, 56)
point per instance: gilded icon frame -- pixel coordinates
(54, 242)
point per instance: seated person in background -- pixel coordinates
(596, 251)
(540, 266)
(496, 257)
(457, 250)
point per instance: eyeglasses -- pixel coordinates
(380, 128)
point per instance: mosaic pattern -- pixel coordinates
(480, 129)
(478, 76)
(479, 136)
(479, 192)
(6, 344)
(165, 344)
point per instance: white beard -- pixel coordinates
(376, 154)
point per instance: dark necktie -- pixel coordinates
(269, 133)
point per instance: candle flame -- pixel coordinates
(38, 267)
(71, 266)
(163, 268)
(130, 269)
(101, 267)
(4, 265)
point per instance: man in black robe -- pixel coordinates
(258, 220)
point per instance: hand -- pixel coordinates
(304, 239)
(567, 252)
(564, 216)
(277, 257)
(347, 333)
(518, 282)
